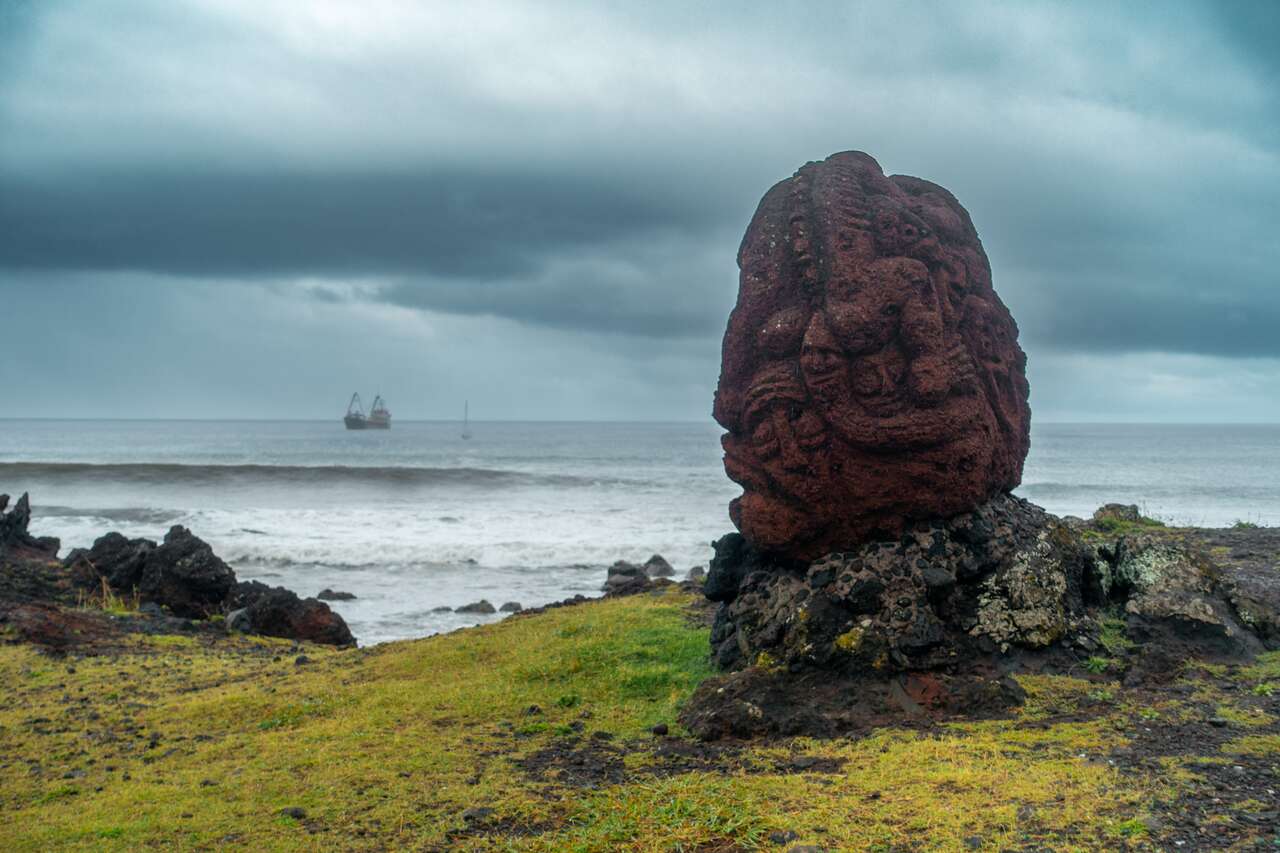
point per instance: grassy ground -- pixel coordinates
(533, 734)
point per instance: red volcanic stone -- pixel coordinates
(870, 373)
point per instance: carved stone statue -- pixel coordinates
(876, 412)
(871, 376)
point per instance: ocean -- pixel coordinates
(416, 518)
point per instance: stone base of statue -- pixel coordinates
(934, 623)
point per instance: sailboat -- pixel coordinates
(466, 423)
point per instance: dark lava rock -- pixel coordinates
(185, 575)
(1246, 560)
(511, 607)
(914, 603)
(327, 594)
(627, 578)
(660, 729)
(278, 612)
(15, 541)
(442, 609)
(121, 561)
(294, 812)
(929, 625)
(481, 606)
(1174, 599)
(870, 374)
(657, 567)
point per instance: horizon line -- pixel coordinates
(708, 419)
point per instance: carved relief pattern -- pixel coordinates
(870, 373)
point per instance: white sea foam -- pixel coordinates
(416, 518)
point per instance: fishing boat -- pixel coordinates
(379, 416)
(466, 423)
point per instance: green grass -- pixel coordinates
(186, 743)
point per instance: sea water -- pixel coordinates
(416, 518)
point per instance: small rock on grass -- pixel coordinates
(477, 813)
(660, 729)
(294, 812)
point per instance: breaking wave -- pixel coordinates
(307, 475)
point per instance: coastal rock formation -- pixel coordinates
(483, 606)
(14, 538)
(185, 575)
(933, 622)
(115, 558)
(175, 585)
(1004, 575)
(871, 376)
(278, 612)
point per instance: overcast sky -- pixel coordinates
(230, 208)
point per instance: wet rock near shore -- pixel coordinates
(482, 607)
(172, 582)
(625, 578)
(184, 575)
(114, 557)
(657, 567)
(278, 612)
(15, 540)
(327, 594)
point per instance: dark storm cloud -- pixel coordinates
(588, 169)
(458, 225)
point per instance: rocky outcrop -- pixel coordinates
(932, 622)
(115, 558)
(278, 612)
(1004, 575)
(657, 567)
(175, 581)
(625, 578)
(1172, 596)
(327, 594)
(184, 575)
(483, 607)
(871, 377)
(15, 541)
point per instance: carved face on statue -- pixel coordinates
(870, 374)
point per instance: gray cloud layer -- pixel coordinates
(588, 170)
